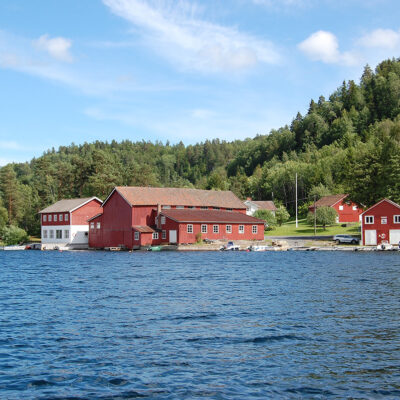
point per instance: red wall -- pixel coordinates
(143, 215)
(52, 223)
(82, 214)
(96, 235)
(384, 209)
(348, 214)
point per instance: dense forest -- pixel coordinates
(349, 143)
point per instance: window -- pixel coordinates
(216, 208)
(180, 207)
(162, 220)
(166, 207)
(98, 225)
(340, 207)
(92, 225)
(155, 235)
(216, 228)
(254, 229)
(229, 209)
(164, 235)
(354, 208)
(241, 228)
(189, 228)
(229, 229)
(396, 219)
(55, 217)
(66, 217)
(45, 234)
(60, 217)
(50, 218)
(59, 234)
(204, 229)
(204, 208)
(191, 207)
(136, 237)
(51, 233)
(66, 234)
(369, 219)
(383, 220)
(44, 218)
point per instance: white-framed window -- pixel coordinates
(180, 207)
(163, 235)
(51, 233)
(162, 220)
(136, 235)
(66, 234)
(369, 219)
(204, 208)
(166, 207)
(229, 209)
(204, 228)
(66, 217)
(45, 234)
(228, 228)
(155, 235)
(92, 225)
(241, 228)
(216, 208)
(216, 228)
(55, 217)
(60, 217)
(44, 218)
(58, 234)
(98, 225)
(340, 208)
(191, 207)
(396, 219)
(254, 229)
(189, 228)
(49, 217)
(383, 220)
(354, 208)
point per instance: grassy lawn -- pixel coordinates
(289, 229)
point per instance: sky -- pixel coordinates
(74, 71)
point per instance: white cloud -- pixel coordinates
(57, 47)
(10, 145)
(173, 29)
(381, 38)
(323, 46)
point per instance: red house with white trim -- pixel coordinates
(347, 210)
(381, 223)
(140, 216)
(65, 223)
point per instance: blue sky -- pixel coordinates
(76, 71)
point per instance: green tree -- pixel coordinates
(324, 216)
(268, 216)
(281, 215)
(14, 235)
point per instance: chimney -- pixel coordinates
(158, 216)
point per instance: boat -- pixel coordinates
(384, 246)
(230, 246)
(15, 247)
(260, 248)
(154, 248)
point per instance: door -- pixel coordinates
(370, 237)
(172, 236)
(394, 236)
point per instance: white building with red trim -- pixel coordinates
(65, 223)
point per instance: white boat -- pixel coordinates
(384, 246)
(14, 247)
(260, 248)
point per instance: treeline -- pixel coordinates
(348, 143)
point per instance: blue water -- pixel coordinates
(98, 325)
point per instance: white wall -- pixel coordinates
(76, 235)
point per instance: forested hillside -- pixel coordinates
(347, 143)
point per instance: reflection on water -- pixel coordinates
(94, 325)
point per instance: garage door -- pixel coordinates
(370, 237)
(394, 236)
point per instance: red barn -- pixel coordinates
(381, 223)
(347, 210)
(131, 215)
(65, 223)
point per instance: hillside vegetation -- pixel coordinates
(349, 143)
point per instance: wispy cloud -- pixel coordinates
(381, 38)
(11, 145)
(175, 30)
(57, 47)
(323, 46)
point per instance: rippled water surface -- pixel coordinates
(97, 325)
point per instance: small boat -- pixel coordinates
(154, 248)
(15, 247)
(384, 246)
(261, 248)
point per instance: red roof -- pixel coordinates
(151, 196)
(210, 216)
(379, 202)
(329, 201)
(143, 228)
(265, 205)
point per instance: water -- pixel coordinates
(97, 325)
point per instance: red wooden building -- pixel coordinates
(347, 210)
(65, 223)
(381, 223)
(137, 216)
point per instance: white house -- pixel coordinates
(252, 206)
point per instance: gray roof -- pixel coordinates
(67, 205)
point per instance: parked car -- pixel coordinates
(230, 246)
(346, 239)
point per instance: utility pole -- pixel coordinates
(315, 215)
(297, 222)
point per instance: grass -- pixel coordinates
(289, 229)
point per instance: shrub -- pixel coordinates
(198, 237)
(268, 217)
(281, 215)
(14, 235)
